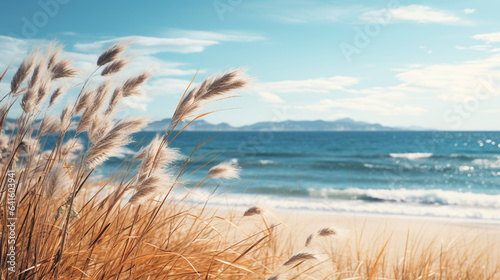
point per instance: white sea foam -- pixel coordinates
(265, 161)
(490, 213)
(426, 197)
(488, 163)
(411, 156)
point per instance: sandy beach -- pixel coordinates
(362, 238)
(369, 228)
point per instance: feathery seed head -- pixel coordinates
(56, 94)
(50, 124)
(23, 72)
(56, 181)
(115, 99)
(327, 232)
(211, 89)
(299, 257)
(114, 67)
(84, 101)
(63, 69)
(112, 53)
(55, 52)
(131, 87)
(254, 210)
(224, 170)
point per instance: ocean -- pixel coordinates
(428, 174)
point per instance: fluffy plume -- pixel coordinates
(254, 210)
(299, 257)
(115, 99)
(327, 232)
(54, 56)
(43, 87)
(56, 181)
(66, 115)
(114, 67)
(309, 239)
(56, 94)
(84, 100)
(131, 87)
(50, 124)
(101, 95)
(321, 233)
(28, 103)
(111, 53)
(155, 150)
(117, 137)
(224, 170)
(93, 106)
(23, 72)
(4, 110)
(213, 88)
(151, 187)
(38, 88)
(72, 148)
(63, 69)
(142, 195)
(100, 125)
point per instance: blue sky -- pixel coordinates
(398, 63)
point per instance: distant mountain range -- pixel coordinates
(345, 124)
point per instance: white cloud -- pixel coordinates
(381, 104)
(150, 45)
(488, 37)
(416, 13)
(270, 97)
(304, 11)
(160, 86)
(231, 36)
(453, 81)
(475, 47)
(321, 85)
(137, 102)
(469, 10)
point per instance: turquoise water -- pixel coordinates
(439, 174)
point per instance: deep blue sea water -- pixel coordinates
(438, 174)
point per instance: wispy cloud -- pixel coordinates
(150, 45)
(488, 37)
(469, 10)
(381, 104)
(222, 36)
(453, 81)
(270, 97)
(415, 13)
(320, 85)
(306, 11)
(475, 47)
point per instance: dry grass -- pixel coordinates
(127, 226)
